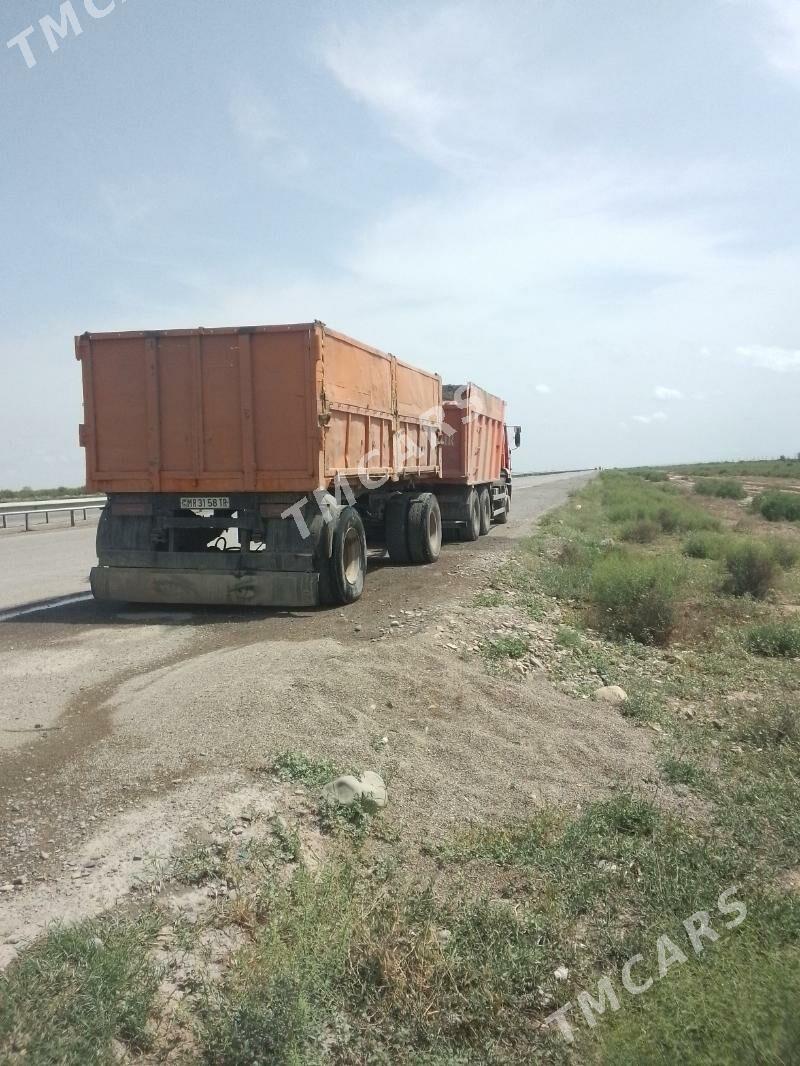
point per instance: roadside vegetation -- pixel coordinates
(783, 468)
(724, 488)
(455, 951)
(27, 493)
(778, 506)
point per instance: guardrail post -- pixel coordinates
(27, 527)
(72, 518)
(47, 518)
(84, 514)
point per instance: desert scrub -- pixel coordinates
(778, 506)
(627, 499)
(774, 640)
(724, 488)
(635, 596)
(706, 545)
(751, 569)
(644, 531)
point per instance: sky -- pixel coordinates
(589, 207)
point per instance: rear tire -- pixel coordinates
(485, 502)
(472, 515)
(397, 515)
(342, 576)
(424, 529)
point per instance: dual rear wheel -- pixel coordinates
(413, 528)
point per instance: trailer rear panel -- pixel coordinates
(257, 409)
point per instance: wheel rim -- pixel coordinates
(351, 556)
(435, 529)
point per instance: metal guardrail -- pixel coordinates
(20, 506)
(47, 511)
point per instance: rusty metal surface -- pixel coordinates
(473, 454)
(262, 409)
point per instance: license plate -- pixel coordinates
(205, 503)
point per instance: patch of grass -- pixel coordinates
(489, 598)
(771, 727)
(751, 569)
(196, 863)
(650, 474)
(785, 552)
(635, 597)
(774, 639)
(680, 772)
(568, 637)
(687, 1017)
(783, 467)
(296, 766)
(511, 647)
(644, 531)
(706, 545)
(778, 506)
(79, 989)
(626, 500)
(723, 488)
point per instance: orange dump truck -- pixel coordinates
(249, 465)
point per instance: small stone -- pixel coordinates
(613, 694)
(18, 882)
(717, 724)
(137, 857)
(561, 974)
(97, 943)
(357, 629)
(680, 790)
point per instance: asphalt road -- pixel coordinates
(51, 563)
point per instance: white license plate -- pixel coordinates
(205, 503)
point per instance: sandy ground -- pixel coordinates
(121, 731)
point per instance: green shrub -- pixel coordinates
(642, 532)
(778, 506)
(635, 597)
(706, 545)
(775, 639)
(724, 488)
(651, 475)
(785, 553)
(751, 569)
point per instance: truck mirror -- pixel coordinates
(517, 436)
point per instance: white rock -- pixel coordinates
(373, 789)
(613, 694)
(344, 790)
(561, 974)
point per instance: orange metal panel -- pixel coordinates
(261, 408)
(473, 449)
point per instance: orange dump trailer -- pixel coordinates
(250, 465)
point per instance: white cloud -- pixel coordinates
(781, 38)
(543, 389)
(662, 392)
(646, 420)
(781, 360)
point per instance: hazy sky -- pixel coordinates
(590, 207)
